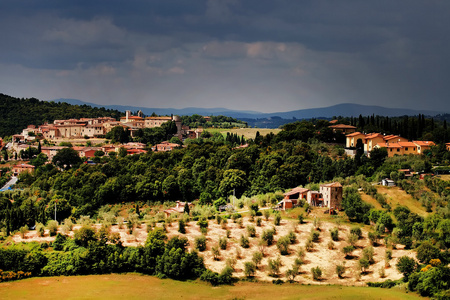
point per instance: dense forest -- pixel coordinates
(17, 114)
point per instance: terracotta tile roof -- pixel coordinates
(425, 143)
(24, 166)
(295, 191)
(407, 144)
(389, 145)
(342, 126)
(354, 134)
(373, 135)
(333, 184)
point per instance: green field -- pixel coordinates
(248, 133)
(135, 286)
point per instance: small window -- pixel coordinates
(406, 148)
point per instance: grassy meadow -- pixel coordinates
(135, 286)
(395, 196)
(248, 133)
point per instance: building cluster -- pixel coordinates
(329, 195)
(395, 145)
(94, 127)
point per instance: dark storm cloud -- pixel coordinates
(304, 53)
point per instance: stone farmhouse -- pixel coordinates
(329, 195)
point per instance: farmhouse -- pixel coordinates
(17, 169)
(343, 128)
(329, 195)
(332, 195)
(292, 197)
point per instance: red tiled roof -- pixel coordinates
(354, 134)
(389, 145)
(373, 135)
(295, 191)
(342, 126)
(407, 144)
(333, 184)
(424, 143)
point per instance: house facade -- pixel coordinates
(332, 195)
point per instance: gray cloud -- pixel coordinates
(261, 55)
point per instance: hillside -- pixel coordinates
(16, 114)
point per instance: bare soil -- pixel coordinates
(321, 256)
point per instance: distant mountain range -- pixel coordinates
(344, 110)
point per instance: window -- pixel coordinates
(406, 148)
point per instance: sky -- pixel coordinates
(260, 55)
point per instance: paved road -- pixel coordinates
(11, 182)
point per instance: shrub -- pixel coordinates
(52, 227)
(223, 242)
(301, 253)
(267, 236)
(368, 253)
(426, 252)
(226, 276)
(251, 230)
(340, 270)
(258, 221)
(203, 223)
(228, 233)
(231, 262)
(40, 229)
(244, 242)
(240, 222)
(316, 273)
(300, 219)
(266, 214)
(356, 231)
(348, 250)
(277, 219)
(363, 264)
(249, 269)
(257, 258)
(309, 245)
(181, 226)
(373, 237)
(283, 245)
(274, 267)
(334, 234)
(330, 245)
(352, 239)
(317, 223)
(23, 231)
(84, 235)
(58, 244)
(215, 252)
(210, 276)
(406, 265)
(292, 237)
(200, 243)
(388, 255)
(292, 273)
(238, 253)
(314, 235)
(382, 272)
